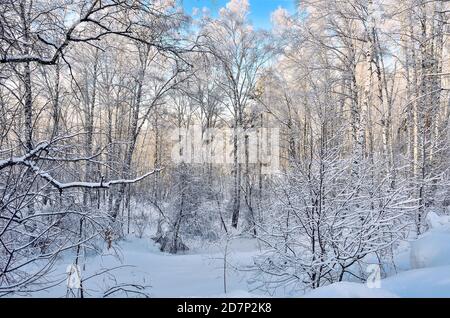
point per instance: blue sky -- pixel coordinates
(260, 10)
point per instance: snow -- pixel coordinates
(24, 160)
(427, 276)
(429, 282)
(438, 222)
(199, 272)
(185, 275)
(350, 290)
(432, 248)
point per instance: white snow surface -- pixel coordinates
(428, 274)
(139, 261)
(423, 270)
(350, 290)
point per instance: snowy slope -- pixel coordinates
(428, 282)
(428, 275)
(424, 271)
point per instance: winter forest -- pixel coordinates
(148, 150)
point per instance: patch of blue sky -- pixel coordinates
(260, 10)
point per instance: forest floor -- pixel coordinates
(136, 265)
(136, 261)
(422, 268)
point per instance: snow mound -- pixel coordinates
(438, 222)
(432, 248)
(426, 282)
(429, 275)
(349, 290)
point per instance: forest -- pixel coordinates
(310, 154)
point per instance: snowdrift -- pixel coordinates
(429, 275)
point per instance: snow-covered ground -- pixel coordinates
(424, 269)
(139, 262)
(137, 265)
(426, 282)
